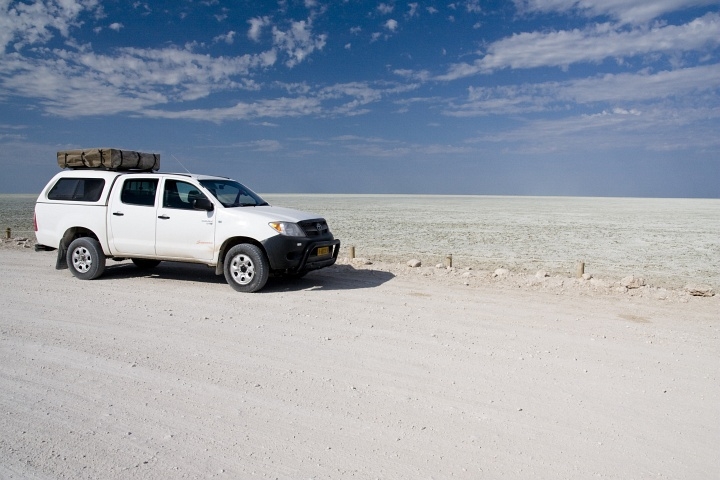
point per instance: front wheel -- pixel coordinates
(85, 258)
(245, 268)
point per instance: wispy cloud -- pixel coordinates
(382, 148)
(473, 6)
(412, 10)
(614, 129)
(271, 108)
(84, 83)
(260, 146)
(256, 26)
(625, 11)
(592, 44)
(298, 41)
(385, 9)
(228, 38)
(76, 81)
(23, 24)
(633, 89)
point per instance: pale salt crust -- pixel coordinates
(667, 242)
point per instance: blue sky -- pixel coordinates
(521, 97)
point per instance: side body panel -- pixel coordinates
(55, 217)
(132, 215)
(183, 232)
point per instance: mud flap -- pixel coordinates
(61, 263)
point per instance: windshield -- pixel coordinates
(232, 194)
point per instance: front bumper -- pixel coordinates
(300, 254)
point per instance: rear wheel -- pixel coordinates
(245, 268)
(85, 258)
(145, 263)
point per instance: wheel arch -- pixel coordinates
(71, 234)
(77, 232)
(231, 242)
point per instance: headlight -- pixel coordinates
(287, 228)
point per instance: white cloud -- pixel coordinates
(228, 38)
(620, 93)
(412, 9)
(645, 87)
(385, 9)
(347, 99)
(116, 26)
(273, 108)
(625, 11)
(144, 7)
(298, 42)
(473, 6)
(417, 75)
(382, 148)
(593, 44)
(256, 26)
(84, 83)
(23, 24)
(654, 129)
(391, 25)
(261, 145)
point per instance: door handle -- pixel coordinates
(118, 214)
(164, 217)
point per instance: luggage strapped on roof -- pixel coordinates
(109, 159)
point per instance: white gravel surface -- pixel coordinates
(374, 371)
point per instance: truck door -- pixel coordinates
(182, 231)
(132, 216)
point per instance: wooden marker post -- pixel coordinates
(580, 269)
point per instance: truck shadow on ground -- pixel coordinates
(338, 277)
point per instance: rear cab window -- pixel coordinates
(77, 189)
(139, 191)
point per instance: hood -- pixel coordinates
(271, 214)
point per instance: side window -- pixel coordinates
(77, 189)
(180, 195)
(139, 191)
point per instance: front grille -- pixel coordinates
(315, 228)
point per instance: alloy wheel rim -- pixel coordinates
(242, 269)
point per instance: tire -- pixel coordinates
(145, 263)
(85, 258)
(246, 269)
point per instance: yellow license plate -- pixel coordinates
(322, 251)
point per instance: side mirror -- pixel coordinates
(203, 204)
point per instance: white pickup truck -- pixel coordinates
(90, 215)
